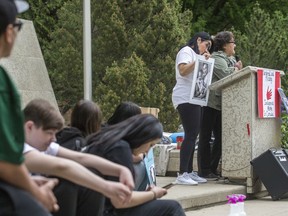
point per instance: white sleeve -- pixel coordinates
(52, 149)
(186, 55)
(28, 148)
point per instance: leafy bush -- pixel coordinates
(284, 131)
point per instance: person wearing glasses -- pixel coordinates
(224, 65)
(19, 193)
(190, 114)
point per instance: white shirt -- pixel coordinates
(182, 89)
(51, 150)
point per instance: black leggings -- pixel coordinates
(190, 116)
(208, 159)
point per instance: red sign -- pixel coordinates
(268, 97)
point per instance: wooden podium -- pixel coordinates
(244, 135)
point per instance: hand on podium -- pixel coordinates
(238, 65)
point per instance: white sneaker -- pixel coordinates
(194, 176)
(185, 179)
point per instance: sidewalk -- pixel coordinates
(210, 199)
(260, 207)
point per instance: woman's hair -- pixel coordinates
(193, 41)
(221, 39)
(136, 130)
(123, 111)
(86, 116)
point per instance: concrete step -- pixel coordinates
(202, 195)
(173, 160)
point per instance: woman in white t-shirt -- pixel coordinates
(190, 114)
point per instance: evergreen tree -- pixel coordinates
(109, 37)
(218, 15)
(64, 56)
(126, 81)
(264, 41)
(156, 30)
(43, 13)
(124, 34)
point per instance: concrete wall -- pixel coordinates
(27, 68)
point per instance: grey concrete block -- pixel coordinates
(27, 67)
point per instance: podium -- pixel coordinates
(244, 135)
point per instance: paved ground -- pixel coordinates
(260, 207)
(210, 199)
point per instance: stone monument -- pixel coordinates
(27, 67)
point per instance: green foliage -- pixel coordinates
(156, 37)
(217, 15)
(134, 44)
(44, 16)
(264, 43)
(109, 37)
(126, 81)
(284, 131)
(64, 57)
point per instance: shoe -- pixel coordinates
(185, 179)
(194, 176)
(211, 177)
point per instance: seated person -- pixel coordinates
(42, 121)
(19, 193)
(117, 143)
(85, 119)
(123, 111)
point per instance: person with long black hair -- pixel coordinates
(122, 112)
(117, 143)
(190, 114)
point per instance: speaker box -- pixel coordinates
(272, 169)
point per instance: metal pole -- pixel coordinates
(87, 59)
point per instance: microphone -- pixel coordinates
(237, 58)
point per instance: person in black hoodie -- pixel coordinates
(86, 119)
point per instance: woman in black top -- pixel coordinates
(117, 143)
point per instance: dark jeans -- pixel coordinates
(208, 159)
(190, 116)
(152, 208)
(17, 202)
(75, 200)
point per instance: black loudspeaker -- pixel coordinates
(272, 169)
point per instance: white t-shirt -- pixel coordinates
(51, 150)
(182, 89)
